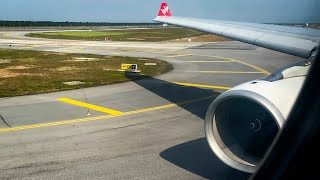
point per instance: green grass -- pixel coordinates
(150, 35)
(87, 34)
(33, 72)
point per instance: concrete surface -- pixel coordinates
(160, 134)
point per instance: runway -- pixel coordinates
(147, 129)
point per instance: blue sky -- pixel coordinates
(276, 11)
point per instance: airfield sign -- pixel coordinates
(129, 67)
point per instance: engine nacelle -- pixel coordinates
(242, 123)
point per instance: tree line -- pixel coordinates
(66, 24)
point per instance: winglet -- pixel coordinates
(164, 10)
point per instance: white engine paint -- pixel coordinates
(295, 71)
(282, 93)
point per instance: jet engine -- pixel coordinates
(242, 123)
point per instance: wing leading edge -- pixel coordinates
(296, 41)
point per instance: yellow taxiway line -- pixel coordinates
(179, 55)
(202, 85)
(235, 60)
(241, 62)
(116, 53)
(250, 65)
(90, 106)
(114, 113)
(18, 128)
(208, 61)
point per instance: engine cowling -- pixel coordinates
(242, 123)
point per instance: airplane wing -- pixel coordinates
(236, 147)
(297, 41)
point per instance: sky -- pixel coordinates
(263, 11)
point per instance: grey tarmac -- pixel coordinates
(159, 132)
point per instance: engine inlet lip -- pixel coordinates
(212, 135)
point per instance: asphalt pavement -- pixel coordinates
(147, 129)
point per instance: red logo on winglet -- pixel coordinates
(164, 10)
